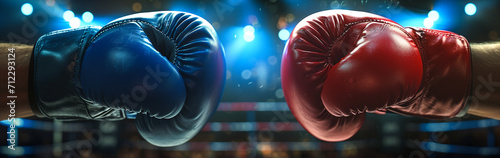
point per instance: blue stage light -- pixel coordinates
(279, 93)
(215, 126)
(246, 74)
(433, 15)
(87, 17)
(461, 125)
(5, 123)
(19, 122)
(284, 34)
(249, 36)
(248, 33)
(470, 9)
(74, 22)
(68, 15)
(428, 22)
(249, 28)
(272, 60)
(459, 149)
(27, 9)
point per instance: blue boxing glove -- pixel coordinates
(168, 67)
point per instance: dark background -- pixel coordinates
(253, 120)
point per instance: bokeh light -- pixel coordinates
(249, 33)
(74, 22)
(428, 22)
(279, 93)
(470, 9)
(68, 15)
(249, 36)
(137, 7)
(249, 28)
(284, 34)
(272, 60)
(87, 16)
(27, 9)
(433, 15)
(246, 74)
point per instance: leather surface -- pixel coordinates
(339, 65)
(168, 67)
(198, 57)
(121, 69)
(447, 75)
(57, 59)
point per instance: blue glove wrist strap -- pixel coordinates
(56, 82)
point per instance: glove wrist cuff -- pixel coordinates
(445, 87)
(56, 85)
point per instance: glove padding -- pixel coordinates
(194, 53)
(338, 65)
(168, 67)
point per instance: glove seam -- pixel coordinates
(76, 75)
(419, 39)
(123, 22)
(36, 57)
(425, 90)
(464, 103)
(469, 80)
(369, 20)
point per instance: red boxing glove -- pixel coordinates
(339, 65)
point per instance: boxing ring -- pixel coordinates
(253, 118)
(258, 129)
